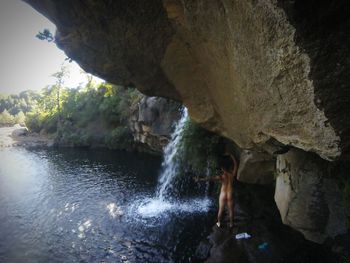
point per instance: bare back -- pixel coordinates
(226, 192)
(227, 184)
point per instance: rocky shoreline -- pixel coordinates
(18, 136)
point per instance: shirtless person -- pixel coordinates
(226, 192)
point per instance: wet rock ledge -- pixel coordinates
(271, 241)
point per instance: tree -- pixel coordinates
(20, 118)
(6, 118)
(60, 75)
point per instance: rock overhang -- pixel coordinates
(250, 70)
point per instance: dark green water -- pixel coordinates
(93, 206)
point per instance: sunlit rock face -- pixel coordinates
(250, 70)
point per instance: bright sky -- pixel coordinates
(25, 61)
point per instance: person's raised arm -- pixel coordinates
(235, 168)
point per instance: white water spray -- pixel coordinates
(155, 207)
(169, 165)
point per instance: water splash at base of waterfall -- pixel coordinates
(155, 207)
(164, 202)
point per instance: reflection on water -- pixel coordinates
(114, 210)
(92, 206)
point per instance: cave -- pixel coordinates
(265, 74)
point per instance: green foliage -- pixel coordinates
(49, 102)
(94, 114)
(117, 103)
(77, 139)
(50, 123)
(199, 149)
(119, 138)
(6, 118)
(83, 116)
(34, 122)
(20, 118)
(25, 101)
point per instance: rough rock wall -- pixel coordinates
(256, 168)
(322, 32)
(308, 196)
(152, 121)
(236, 64)
(244, 56)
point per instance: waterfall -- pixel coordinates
(162, 202)
(169, 164)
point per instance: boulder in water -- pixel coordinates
(20, 132)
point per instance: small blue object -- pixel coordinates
(263, 247)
